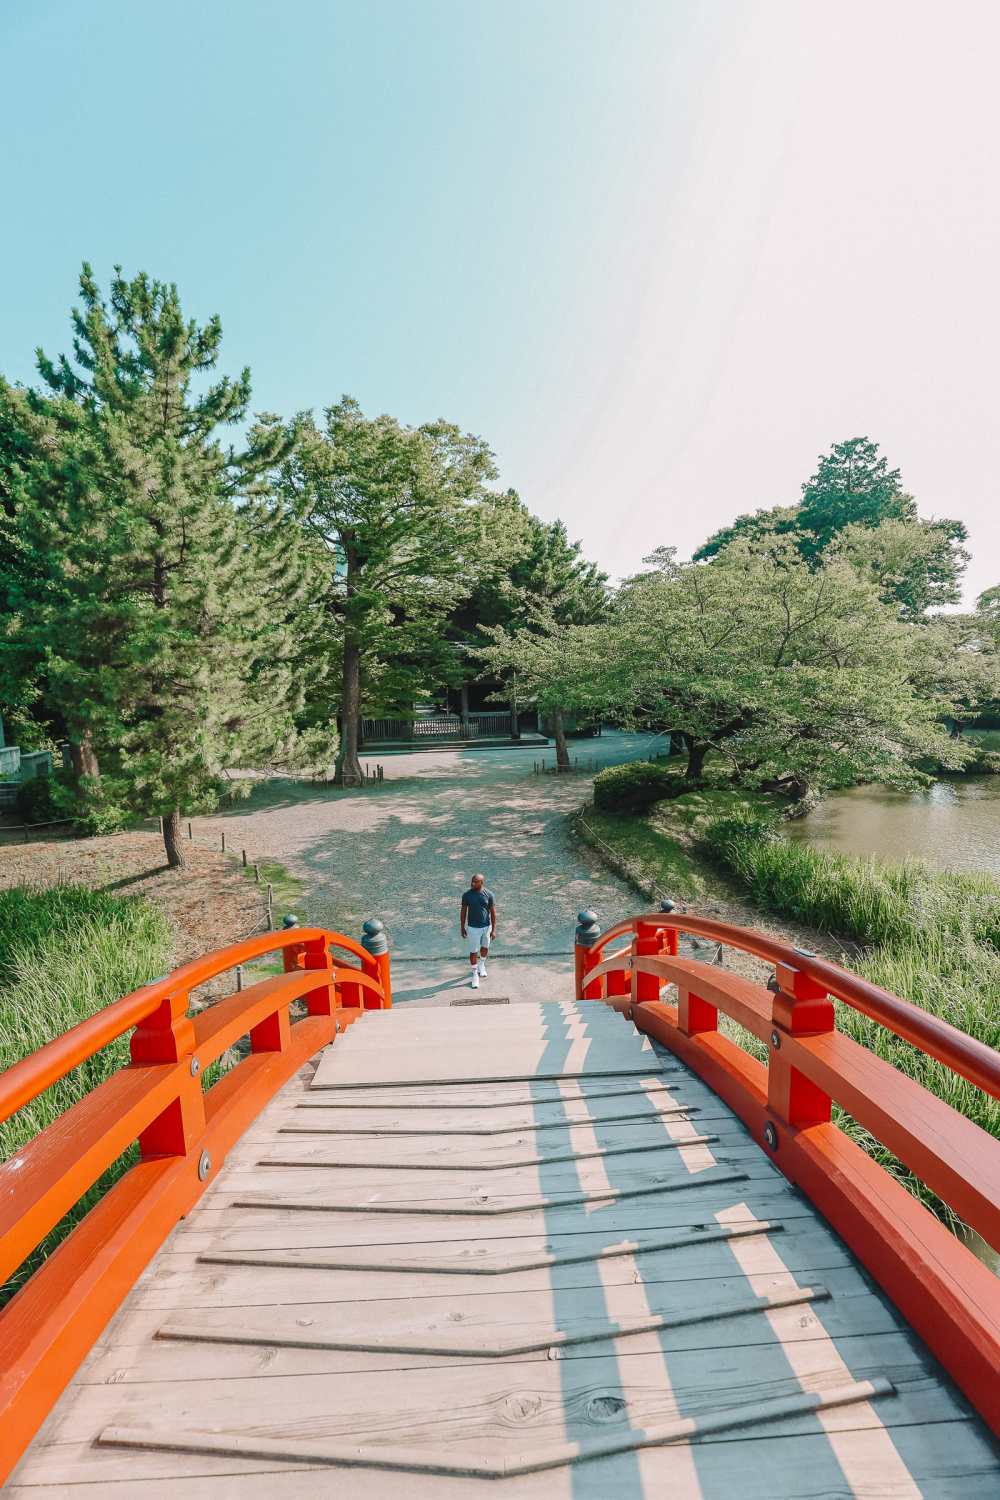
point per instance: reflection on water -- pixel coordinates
(952, 824)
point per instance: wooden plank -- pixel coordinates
(947, 1459)
(626, 1170)
(539, 1458)
(316, 1119)
(182, 1280)
(257, 1229)
(498, 1156)
(138, 1352)
(434, 1065)
(675, 1082)
(495, 1404)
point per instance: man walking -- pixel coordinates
(479, 923)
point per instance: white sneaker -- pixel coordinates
(474, 981)
(482, 967)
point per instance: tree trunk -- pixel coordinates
(559, 735)
(172, 839)
(348, 769)
(696, 760)
(84, 756)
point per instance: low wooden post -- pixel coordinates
(695, 1015)
(223, 843)
(256, 873)
(647, 943)
(802, 1007)
(190, 834)
(586, 955)
(376, 944)
(325, 998)
(270, 908)
(244, 859)
(167, 1036)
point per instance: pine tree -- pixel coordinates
(174, 592)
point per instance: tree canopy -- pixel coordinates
(855, 503)
(793, 675)
(161, 590)
(392, 508)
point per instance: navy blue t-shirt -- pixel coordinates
(480, 906)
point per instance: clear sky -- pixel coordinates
(661, 253)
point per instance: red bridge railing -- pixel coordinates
(951, 1298)
(183, 1130)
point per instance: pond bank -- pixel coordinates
(932, 937)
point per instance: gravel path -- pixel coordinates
(404, 850)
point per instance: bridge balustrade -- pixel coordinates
(183, 1130)
(949, 1296)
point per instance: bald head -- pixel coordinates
(478, 881)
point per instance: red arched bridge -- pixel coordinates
(584, 1247)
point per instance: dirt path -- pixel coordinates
(404, 850)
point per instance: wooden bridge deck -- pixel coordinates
(510, 1246)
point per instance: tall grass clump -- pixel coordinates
(64, 954)
(930, 936)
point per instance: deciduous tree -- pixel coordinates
(392, 507)
(793, 674)
(548, 588)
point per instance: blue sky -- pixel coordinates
(661, 255)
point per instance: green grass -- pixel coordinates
(286, 888)
(64, 954)
(652, 860)
(931, 936)
(662, 847)
(987, 739)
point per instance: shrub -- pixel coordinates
(43, 799)
(636, 786)
(90, 805)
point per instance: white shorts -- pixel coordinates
(479, 937)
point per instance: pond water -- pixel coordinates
(952, 824)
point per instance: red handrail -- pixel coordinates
(962, 1053)
(948, 1296)
(183, 1132)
